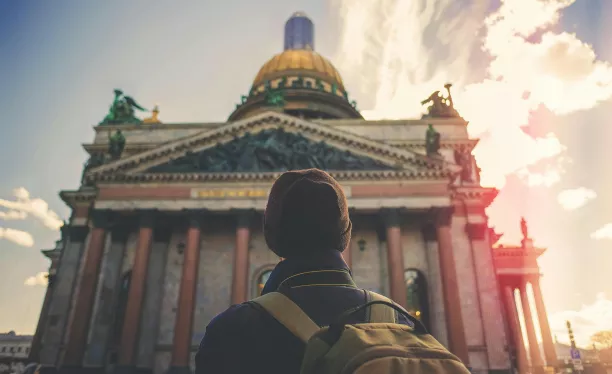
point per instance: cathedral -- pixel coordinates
(165, 230)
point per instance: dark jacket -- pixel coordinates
(246, 339)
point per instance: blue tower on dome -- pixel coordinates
(299, 32)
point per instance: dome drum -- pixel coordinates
(309, 103)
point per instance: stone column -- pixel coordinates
(514, 325)
(395, 256)
(62, 294)
(434, 286)
(44, 313)
(187, 295)
(240, 275)
(549, 346)
(83, 308)
(452, 302)
(133, 309)
(534, 349)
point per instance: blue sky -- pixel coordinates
(60, 61)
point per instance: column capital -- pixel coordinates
(76, 233)
(441, 216)
(195, 217)
(147, 217)
(100, 218)
(476, 231)
(244, 217)
(391, 217)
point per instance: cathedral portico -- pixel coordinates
(166, 227)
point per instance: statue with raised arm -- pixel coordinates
(116, 144)
(441, 107)
(432, 141)
(122, 110)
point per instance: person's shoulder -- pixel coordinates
(234, 317)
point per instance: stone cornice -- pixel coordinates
(158, 126)
(485, 195)
(412, 162)
(516, 251)
(458, 144)
(268, 177)
(79, 197)
(129, 147)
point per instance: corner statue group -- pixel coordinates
(122, 110)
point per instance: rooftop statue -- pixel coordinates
(441, 107)
(275, 98)
(432, 141)
(116, 144)
(524, 229)
(464, 159)
(154, 116)
(122, 110)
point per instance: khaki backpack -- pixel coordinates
(380, 346)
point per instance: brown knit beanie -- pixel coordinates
(306, 212)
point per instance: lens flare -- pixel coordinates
(504, 63)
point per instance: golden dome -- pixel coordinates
(304, 62)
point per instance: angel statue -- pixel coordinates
(441, 107)
(122, 110)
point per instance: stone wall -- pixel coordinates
(260, 257)
(153, 295)
(108, 288)
(470, 303)
(214, 273)
(367, 266)
(170, 289)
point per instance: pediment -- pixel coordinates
(271, 143)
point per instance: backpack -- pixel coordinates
(380, 346)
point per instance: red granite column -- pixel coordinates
(549, 346)
(133, 309)
(452, 304)
(395, 256)
(534, 348)
(240, 278)
(181, 346)
(83, 308)
(514, 326)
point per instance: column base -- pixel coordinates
(124, 369)
(79, 370)
(179, 370)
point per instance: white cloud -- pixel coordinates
(36, 208)
(605, 232)
(17, 236)
(385, 46)
(39, 279)
(575, 198)
(13, 215)
(585, 322)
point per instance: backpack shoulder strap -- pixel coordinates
(288, 314)
(380, 313)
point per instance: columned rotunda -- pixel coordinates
(166, 225)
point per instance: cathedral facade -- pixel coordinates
(166, 227)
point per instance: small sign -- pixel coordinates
(229, 193)
(575, 353)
